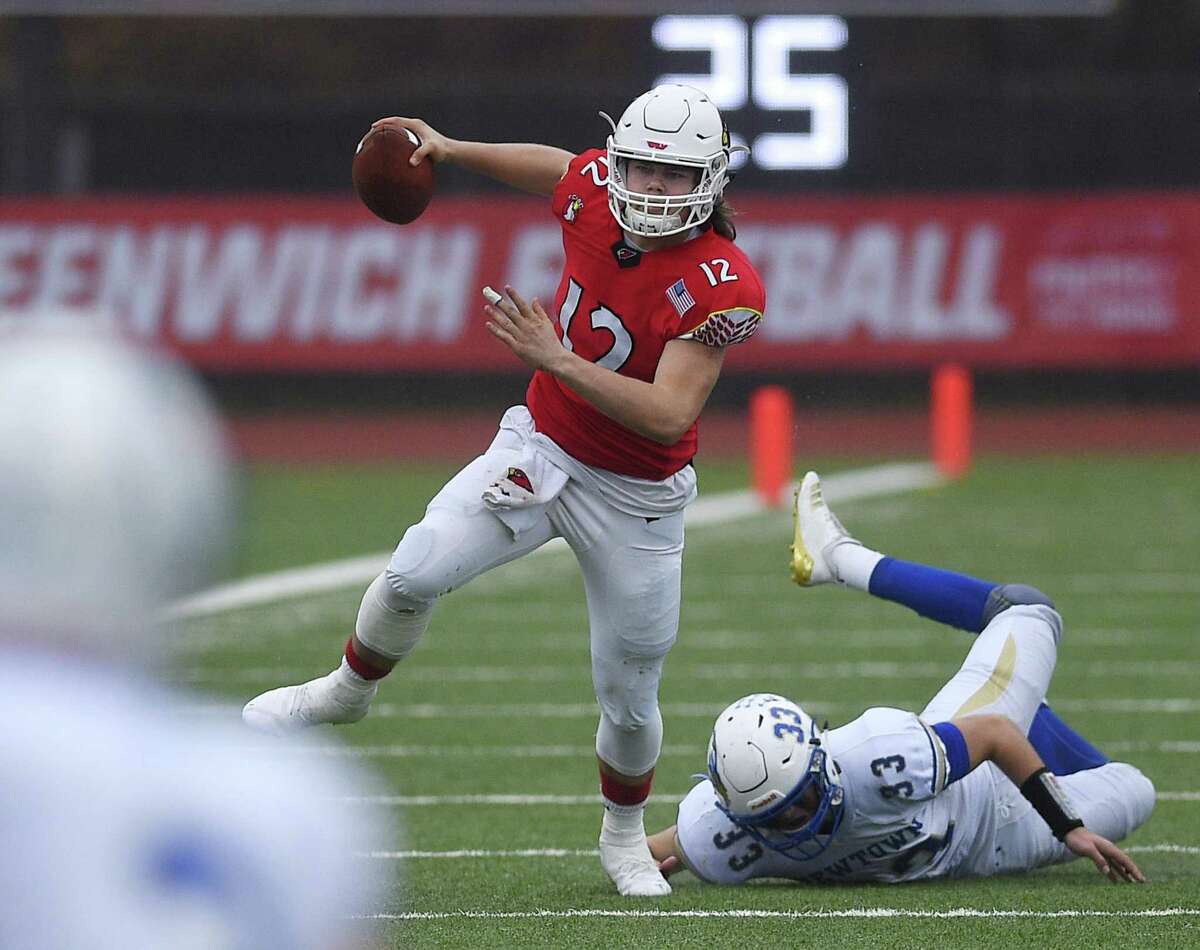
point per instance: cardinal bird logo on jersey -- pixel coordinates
(520, 479)
(574, 206)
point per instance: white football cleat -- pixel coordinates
(327, 699)
(632, 868)
(816, 532)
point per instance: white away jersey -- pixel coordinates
(901, 822)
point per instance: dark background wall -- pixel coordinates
(199, 105)
(213, 104)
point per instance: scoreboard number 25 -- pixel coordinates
(753, 65)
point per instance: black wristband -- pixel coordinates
(1050, 801)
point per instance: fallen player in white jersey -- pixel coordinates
(986, 780)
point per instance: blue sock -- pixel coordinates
(955, 599)
(1063, 749)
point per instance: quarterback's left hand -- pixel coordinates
(1110, 860)
(526, 329)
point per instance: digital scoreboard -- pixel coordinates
(797, 118)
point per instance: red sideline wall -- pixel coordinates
(302, 284)
(454, 438)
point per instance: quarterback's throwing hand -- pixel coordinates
(1108, 858)
(524, 328)
(434, 145)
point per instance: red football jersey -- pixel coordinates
(618, 307)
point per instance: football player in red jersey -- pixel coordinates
(652, 292)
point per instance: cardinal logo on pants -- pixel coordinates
(519, 478)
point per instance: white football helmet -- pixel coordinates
(676, 125)
(764, 757)
(115, 488)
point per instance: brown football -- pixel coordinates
(387, 184)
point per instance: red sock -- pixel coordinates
(360, 666)
(627, 795)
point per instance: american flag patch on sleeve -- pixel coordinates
(678, 294)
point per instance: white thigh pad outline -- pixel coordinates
(1007, 670)
(459, 539)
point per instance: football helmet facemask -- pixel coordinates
(765, 759)
(676, 125)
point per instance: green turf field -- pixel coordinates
(497, 700)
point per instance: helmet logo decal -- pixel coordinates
(574, 206)
(768, 799)
(657, 146)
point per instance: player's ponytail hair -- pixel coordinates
(721, 219)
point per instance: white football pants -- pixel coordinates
(631, 571)
(1008, 671)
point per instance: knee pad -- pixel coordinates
(629, 737)
(391, 593)
(627, 690)
(630, 751)
(388, 622)
(408, 575)
(1012, 595)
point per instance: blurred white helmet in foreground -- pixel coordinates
(114, 487)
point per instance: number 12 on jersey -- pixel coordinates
(600, 318)
(717, 271)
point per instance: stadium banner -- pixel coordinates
(262, 283)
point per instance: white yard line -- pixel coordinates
(745, 672)
(281, 585)
(427, 801)
(571, 636)
(709, 510)
(1164, 849)
(569, 751)
(590, 710)
(851, 913)
(461, 751)
(1174, 746)
(1145, 583)
(1170, 705)
(537, 801)
(479, 853)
